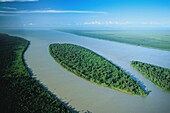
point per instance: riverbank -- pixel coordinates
(134, 37)
(157, 75)
(19, 91)
(86, 96)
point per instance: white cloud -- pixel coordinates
(30, 24)
(52, 11)
(93, 23)
(9, 8)
(151, 23)
(106, 23)
(98, 23)
(18, 0)
(122, 23)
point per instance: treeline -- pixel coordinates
(123, 37)
(19, 92)
(158, 75)
(90, 66)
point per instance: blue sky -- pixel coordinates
(87, 13)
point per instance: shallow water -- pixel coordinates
(84, 95)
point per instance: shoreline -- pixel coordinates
(146, 75)
(21, 92)
(117, 67)
(85, 96)
(69, 107)
(138, 45)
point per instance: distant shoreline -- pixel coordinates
(82, 94)
(148, 43)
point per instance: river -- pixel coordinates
(86, 96)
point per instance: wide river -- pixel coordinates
(86, 96)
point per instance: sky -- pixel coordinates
(84, 13)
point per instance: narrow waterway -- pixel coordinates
(84, 95)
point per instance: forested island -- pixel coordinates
(20, 92)
(157, 75)
(93, 67)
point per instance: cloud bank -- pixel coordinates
(97, 22)
(52, 11)
(9, 8)
(106, 23)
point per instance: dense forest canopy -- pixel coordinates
(93, 67)
(152, 39)
(158, 75)
(19, 92)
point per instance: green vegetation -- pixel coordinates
(19, 92)
(154, 39)
(158, 75)
(90, 66)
